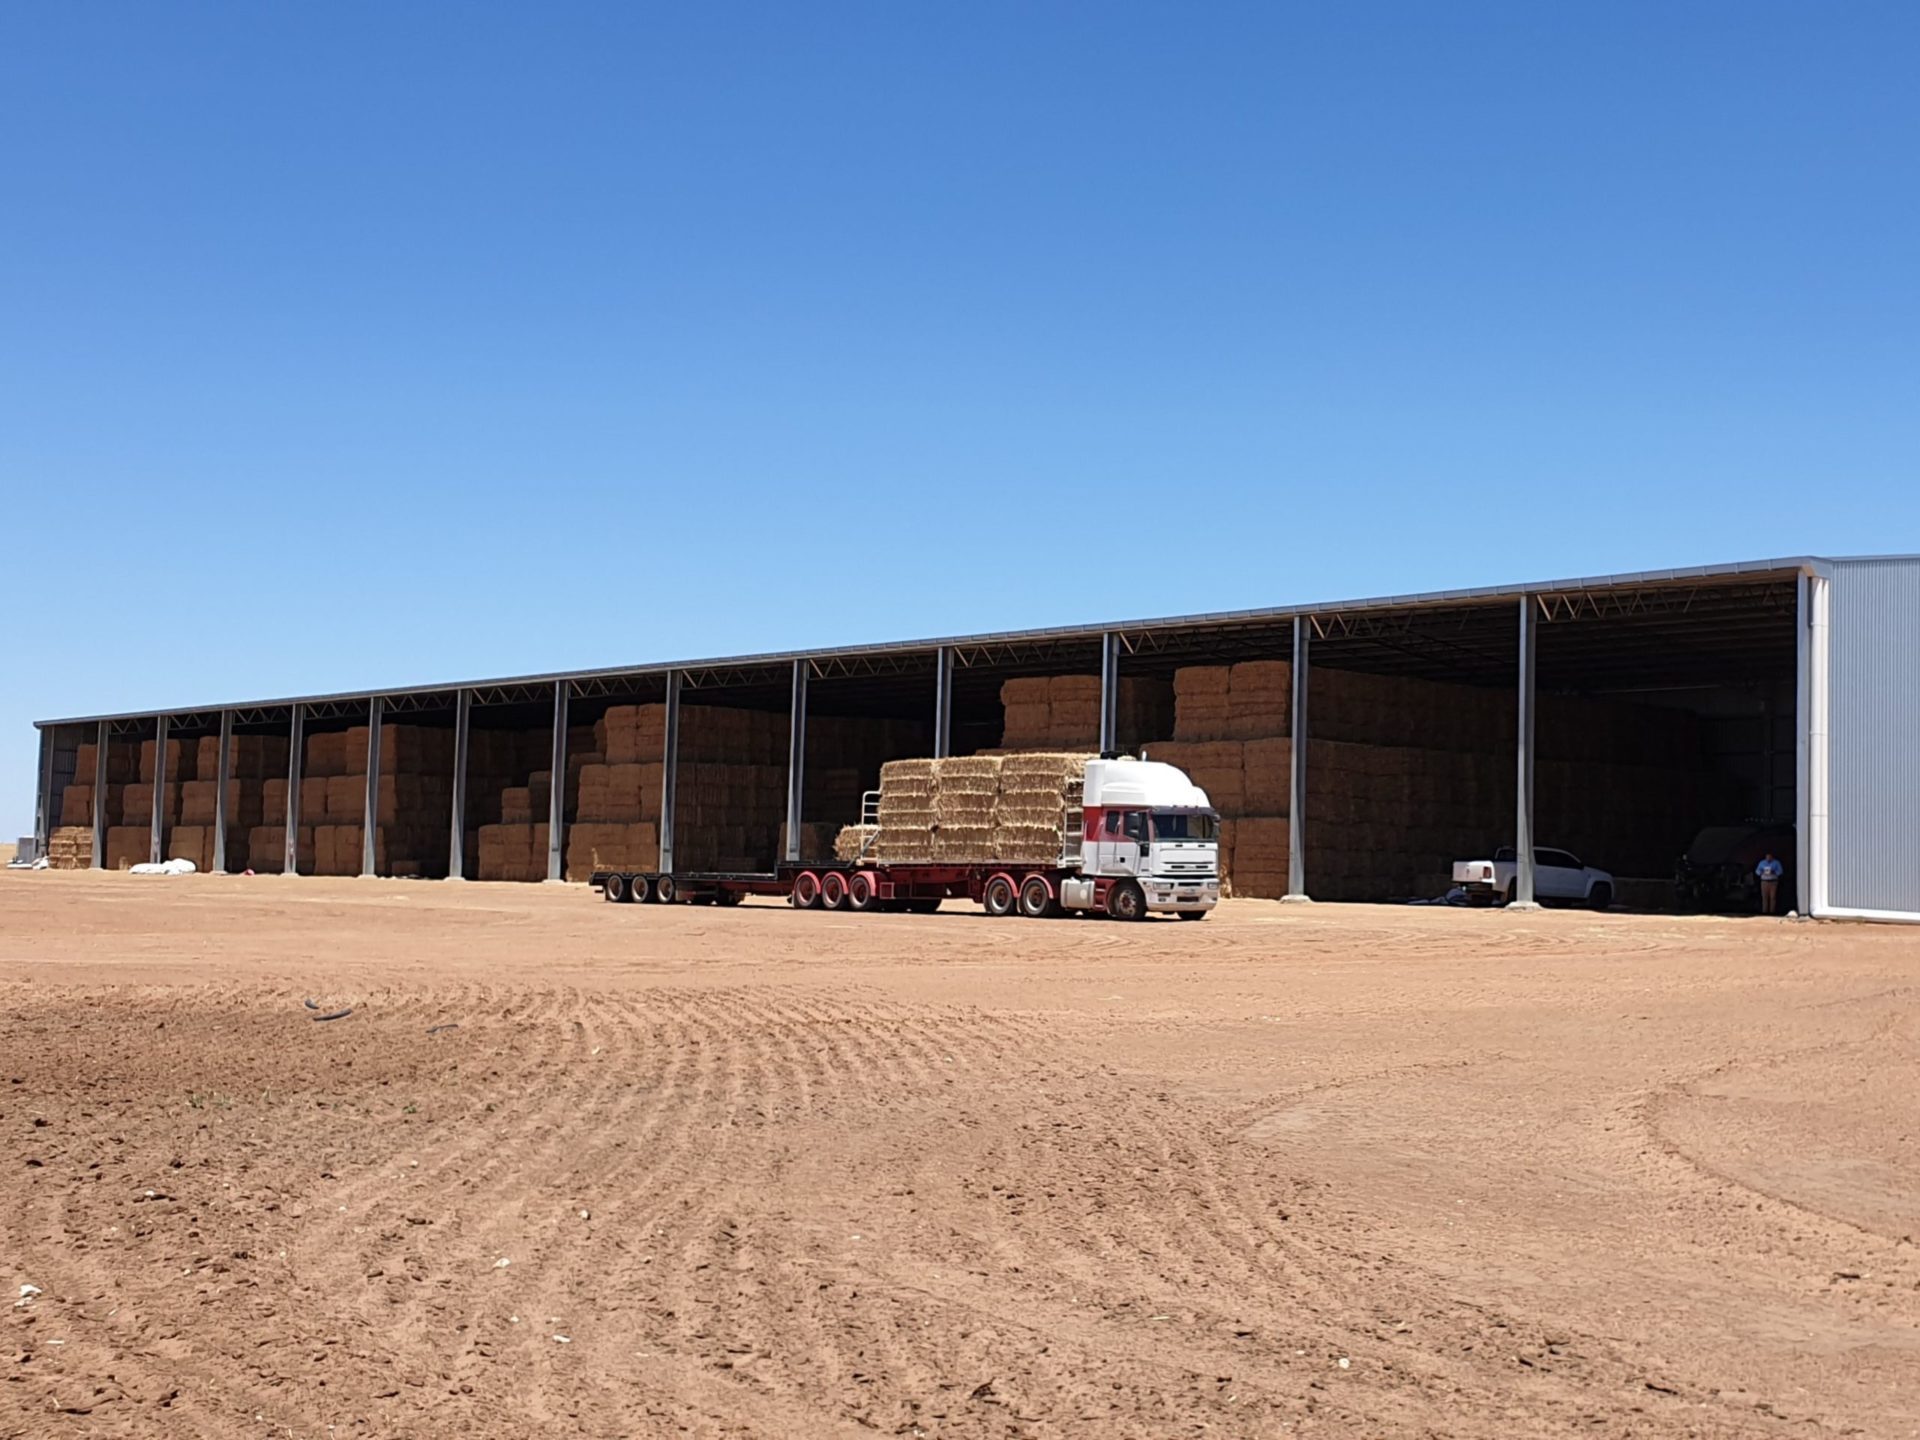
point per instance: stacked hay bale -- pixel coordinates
(513, 852)
(70, 847)
(1037, 792)
(966, 798)
(855, 842)
(251, 759)
(1063, 711)
(817, 841)
(1405, 775)
(907, 814)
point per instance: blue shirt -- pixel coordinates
(1768, 869)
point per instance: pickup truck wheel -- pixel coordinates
(999, 898)
(1601, 898)
(1126, 901)
(615, 890)
(1513, 891)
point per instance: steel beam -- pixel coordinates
(796, 759)
(1109, 692)
(370, 814)
(670, 772)
(104, 733)
(296, 764)
(457, 840)
(43, 796)
(943, 702)
(225, 765)
(1816, 900)
(1523, 808)
(157, 825)
(557, 788)
(1297, 764)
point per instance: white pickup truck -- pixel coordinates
(1558, 878)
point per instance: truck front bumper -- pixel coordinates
(1180, 894)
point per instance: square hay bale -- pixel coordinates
(1027, 690)
(346, 798)
(854, 841)
(127, 846)
(1267, 771)
(1022, 843)
(964, 844)
(1024, 725)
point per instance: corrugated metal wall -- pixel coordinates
(1874, 737)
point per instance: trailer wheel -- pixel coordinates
(806, 890)
(615, 890)
(833, 891)
(1037, 901)
(999, 898)
(861, 894)
(665, 891)
(639, 889)
(1126, 902)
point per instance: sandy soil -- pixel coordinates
(1335, 1170)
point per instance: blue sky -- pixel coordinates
(351, 345)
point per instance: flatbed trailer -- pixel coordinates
(1035, 891)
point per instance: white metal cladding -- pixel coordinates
(1873, 834)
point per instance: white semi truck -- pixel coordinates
(1144, 840)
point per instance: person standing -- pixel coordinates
(1769, 871)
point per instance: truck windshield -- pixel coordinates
(1185, 825)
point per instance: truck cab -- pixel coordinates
(1146, 821)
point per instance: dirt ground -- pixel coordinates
(1346, 1171)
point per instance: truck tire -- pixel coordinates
(640, 890)
(861, 892)
(615, 890)
(1036, 899)
(1126, 901)
(806, 890)
(1601, 898)
(833, 891)
(999, 898)
(665, 891)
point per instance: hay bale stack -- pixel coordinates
(594, 846)
(70, 847)
(854, 842)
(123, 763)
(1260, 851)
(1037, 790)
(816, 841)
(1260, 699)
(513, 852)
(1058, 712)
(1200, 704)
(128, 845)
(907, 816)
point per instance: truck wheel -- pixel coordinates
(861, 894)
(1126, 902)
(1036, 899)
(999, 897)
(1601, 898)
(615, 890)
(833, 891)
(665, 891)
(1513, 891)
(640, 890)
(806, 890)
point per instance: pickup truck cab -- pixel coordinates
(1558, 878)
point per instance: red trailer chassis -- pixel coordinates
(1031, 890)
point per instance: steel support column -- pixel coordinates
(1819, 754)
(796, 759)
(557, 788)
(296, 765)
(100, 741)
(943, 702)
(457, 838)
(1109, 693)
(669, 772)
(43, 796)
(1523, 807)
(224, 764)
(1297, 764)
(370, 812)
(157, 825)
